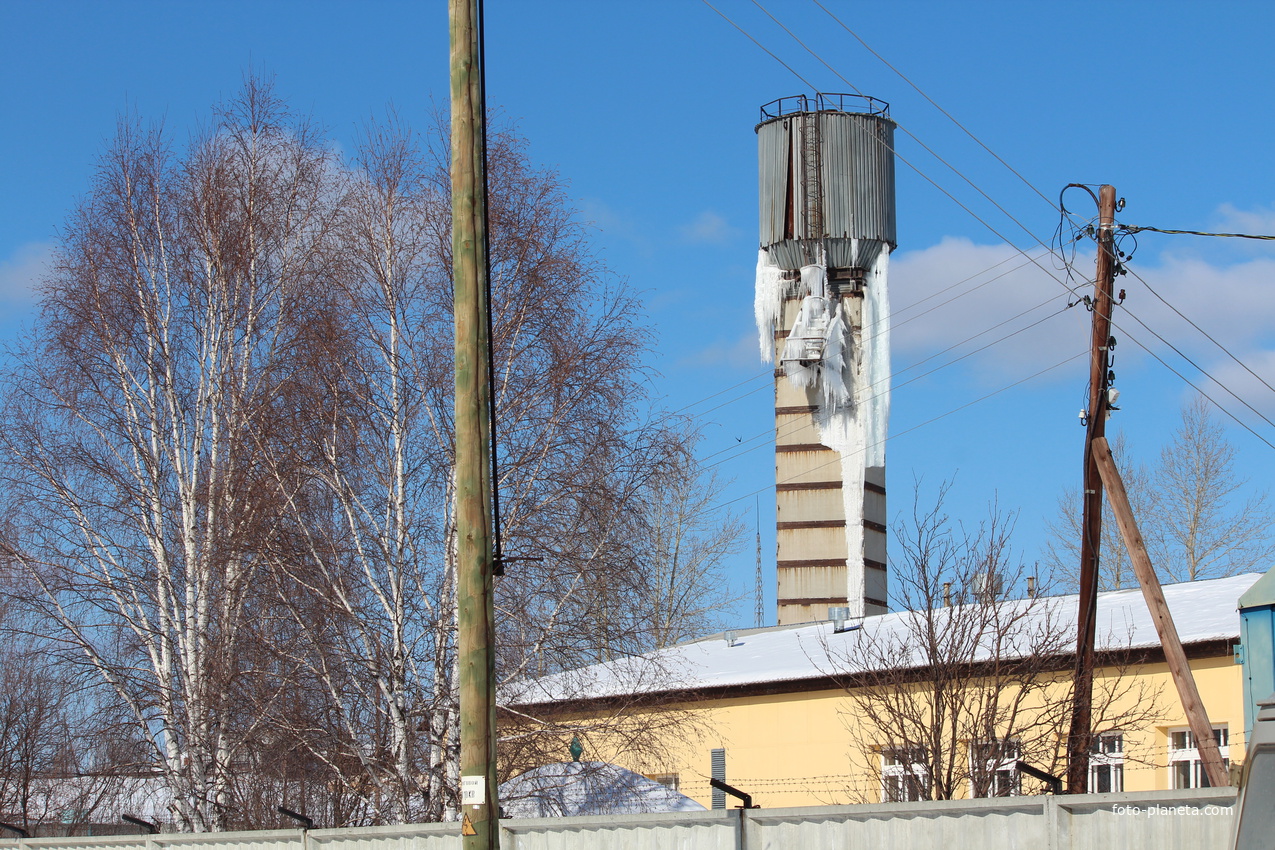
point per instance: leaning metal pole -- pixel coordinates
(479, 809)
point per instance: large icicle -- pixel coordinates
(875, 393)
(768, 301)
(841, 428)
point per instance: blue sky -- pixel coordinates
(648, 109)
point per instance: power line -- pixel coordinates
(926, 422)
(897, 324)
(1205, 333)
(759, 44)
(986, 224)
(933, 103)
(1197, 233)
(894, 323)
(1030, 185)
(1193, 386)
(875, 395)
(927, 149)
(1195, 365)
(1125, 257)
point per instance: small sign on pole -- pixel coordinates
(473, 790)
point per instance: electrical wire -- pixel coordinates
(759, 44)
(1194, 365)
(931, 421)
(1121, 260)
(1067, 285)
(894, 323)
(1205, 333)
(1199, 233)
(933, 103)
(928, 150)
(897, 324)
(793, 427)
(1193, 386)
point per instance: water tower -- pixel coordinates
(826, 168)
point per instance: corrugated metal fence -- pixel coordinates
(1160, 820)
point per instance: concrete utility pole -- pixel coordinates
(1081, 734)
(479, 806)
(1192, 706)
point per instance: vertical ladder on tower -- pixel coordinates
(812, 162)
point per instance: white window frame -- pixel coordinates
(1186, 769)
(905, 775)
(671, 781)
(1107, 756)
(1002, 768)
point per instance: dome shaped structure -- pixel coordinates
(575, 788)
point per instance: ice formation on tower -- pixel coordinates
(847, 367)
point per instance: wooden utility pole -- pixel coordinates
(479, 806)
(1196, 716)
(1081, 734)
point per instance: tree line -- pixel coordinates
(226, 454)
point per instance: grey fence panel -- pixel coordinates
(256, 840)
(1200, 819)
(433, 836)
(681, 831)
(105, 842)
(983, 824)
(1162, 820)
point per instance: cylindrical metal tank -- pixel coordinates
(826, 178)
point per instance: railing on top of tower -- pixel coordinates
(824, 102)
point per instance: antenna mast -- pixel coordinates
(759, 614)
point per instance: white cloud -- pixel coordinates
(22, 271)
(956, 293)
(708, 228)
(1234, 220)
(964, 296)
(1252, 384)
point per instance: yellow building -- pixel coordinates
(831, 713)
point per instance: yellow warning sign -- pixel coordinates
(467, 828)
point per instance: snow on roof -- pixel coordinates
(1202, 611)
(573, 788)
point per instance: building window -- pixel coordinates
(905, 775)
(994, 769)
(1106, 763)
(1186, 770)
(671, 781)
(718, 765)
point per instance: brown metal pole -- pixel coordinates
(479, 809)
(1196, 716)
(1081, 734)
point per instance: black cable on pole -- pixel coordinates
(497, 558)
(1130, 229)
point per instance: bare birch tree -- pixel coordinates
(1062, 553)
(131, 435)
(1192, 509)
(976, 677)
(1206, 526)
(229, 461)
